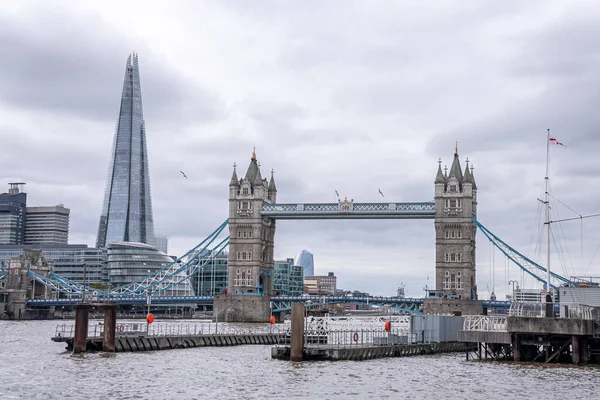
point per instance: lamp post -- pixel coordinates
(513, 288)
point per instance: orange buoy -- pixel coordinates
(150, 318)
(272, 320)
(388, 326)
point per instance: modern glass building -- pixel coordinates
(212, 279)
(127, 262)
(127, 209)
(68, 261)
(288, 279)
(307, 261)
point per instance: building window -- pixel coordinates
(452, 257)
(458, 234)
(447, 273)
(245, 190)
(250, 234)
(453, 188)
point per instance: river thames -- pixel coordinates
(33, 367)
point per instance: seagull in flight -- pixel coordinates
(184, 175)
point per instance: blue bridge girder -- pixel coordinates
(280, 303)
(349, 210)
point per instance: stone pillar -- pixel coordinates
(575, 349)
(81, 327)
(516, 348)
(297, 332)
(110, 327)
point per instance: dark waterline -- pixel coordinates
(33, 367)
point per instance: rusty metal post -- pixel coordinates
(297, 332)
(82, 311)
(110, 327)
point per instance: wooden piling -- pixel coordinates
(297, 332)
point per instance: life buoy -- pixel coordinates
(355, 337)
(121, 328)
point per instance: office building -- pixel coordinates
(47, 225)
(127, 209)
(324, 285)
(68, 261)
(13, 215)
(288, 279)
(307, 261)
(162, 243)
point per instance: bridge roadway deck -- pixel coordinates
(156, 300)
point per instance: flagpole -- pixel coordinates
(547, 202)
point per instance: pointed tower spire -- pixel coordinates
(272, 187)
(440, 176)
(473, 177)
(234, 179)
(455, 169)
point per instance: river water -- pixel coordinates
(33, 367)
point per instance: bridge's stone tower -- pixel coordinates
(251, 235)
(20, 286)
(455, 206)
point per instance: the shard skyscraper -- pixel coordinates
(127, 209)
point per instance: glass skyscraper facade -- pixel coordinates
(307, 261)
(127, 209)
(288, 278)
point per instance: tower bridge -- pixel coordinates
(254, 211)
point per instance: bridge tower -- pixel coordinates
(455, 206)
(251, 244)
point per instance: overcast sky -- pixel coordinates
(335, 95)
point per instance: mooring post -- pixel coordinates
(297, 332)
(110, 327)
(81, 327)
(516, 348)
(575, 350)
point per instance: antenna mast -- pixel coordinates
(547, 202)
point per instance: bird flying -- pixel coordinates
(184, 175)
(380, 193)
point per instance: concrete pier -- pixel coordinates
(110, 325)
(297, 332)
(81, 327)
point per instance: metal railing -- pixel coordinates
(554, 310)
(484, 323)
(166, 329)
(354, 338)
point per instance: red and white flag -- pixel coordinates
(553, 140)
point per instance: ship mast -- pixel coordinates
(547, 202)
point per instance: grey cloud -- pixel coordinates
(58, 62)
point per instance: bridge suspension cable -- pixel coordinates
(160, 280)
(522, 261)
